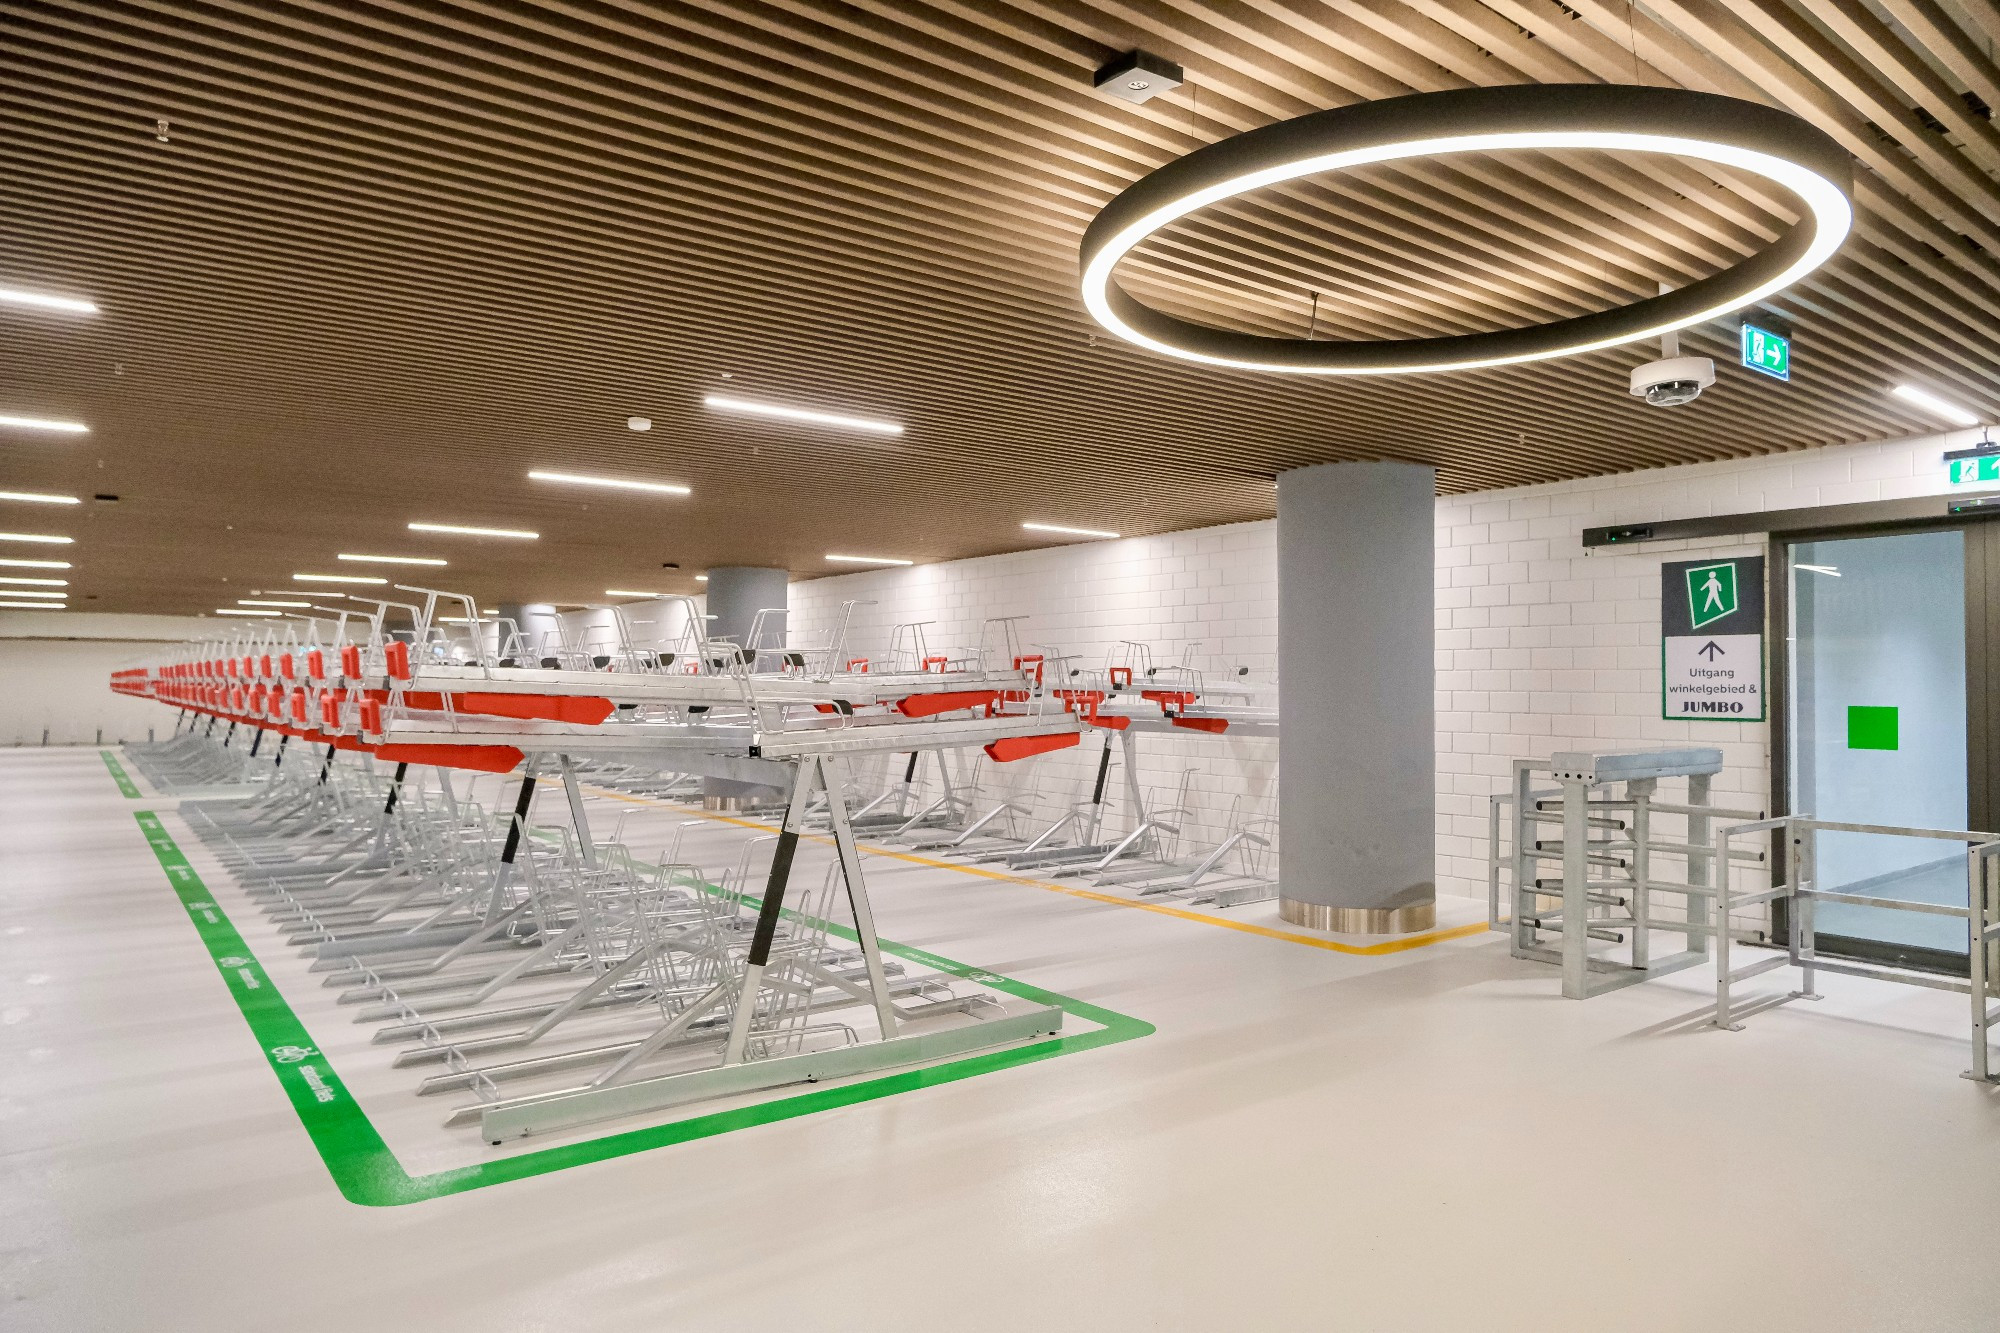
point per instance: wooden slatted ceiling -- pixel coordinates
(392, 255)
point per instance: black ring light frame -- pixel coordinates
(1759, 139)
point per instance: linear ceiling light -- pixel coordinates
(1935, 405)
(44, 423)
(701, 578)
(1068, 532)
(35, 564)
(239, 611)
(614, 483)
(255, 601)
(391, 559)
(750, 407)
(34, 592)
(71, 304)
(628, 592)
(37, 498)
(46, 583)
(869, 560)
(37, 606)
(1746, 136)
(337, 578)
(456, 530)
(35, 537)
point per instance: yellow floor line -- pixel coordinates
(1293, 937)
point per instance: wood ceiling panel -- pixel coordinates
(394, 254)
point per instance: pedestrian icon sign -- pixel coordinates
(1712, 639)
(1711, 593)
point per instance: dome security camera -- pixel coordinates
(1673, 382)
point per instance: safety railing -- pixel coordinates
(1798, 885)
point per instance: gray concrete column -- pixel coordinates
(1356, 676)
(537, 623)
(735, 595)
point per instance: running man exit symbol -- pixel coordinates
(1711, 593)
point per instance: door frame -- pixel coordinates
(1982, 711)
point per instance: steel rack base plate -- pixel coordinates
(581, 1106)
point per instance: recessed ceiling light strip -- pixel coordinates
(1067, 532)
(611, 483)
(38, 498)
(390, 559)
(868, 560)
(751, 407)
(459, 530)
(44, 423)
(42, 537)
(1935, 405)
(42, 300)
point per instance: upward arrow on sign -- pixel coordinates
(1711, 650)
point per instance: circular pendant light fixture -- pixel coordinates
(1748, 136)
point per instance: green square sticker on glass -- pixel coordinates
(1871, 728)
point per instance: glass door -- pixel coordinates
(1877, 732)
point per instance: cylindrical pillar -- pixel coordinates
(1356, 674)
(735, 595)
(541, 632)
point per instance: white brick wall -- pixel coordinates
(1540, 645)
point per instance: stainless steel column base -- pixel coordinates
(1359, 920)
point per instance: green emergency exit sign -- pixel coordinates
(1767, 353)
(1984, 469)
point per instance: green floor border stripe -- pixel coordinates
(367, 1172)
(118, 775)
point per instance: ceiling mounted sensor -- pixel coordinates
(1138, 76)
(1726, 131)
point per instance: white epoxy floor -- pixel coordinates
(1427, 1140)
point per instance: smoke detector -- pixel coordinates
(1138, 76)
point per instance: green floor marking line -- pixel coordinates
(118, 775)
(367, 1172)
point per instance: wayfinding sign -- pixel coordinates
(1767, 352)
(1712, 639)
(1983, 469)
